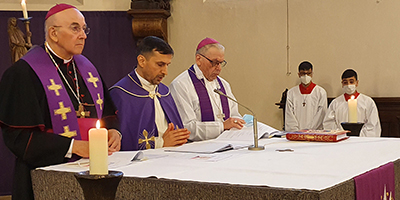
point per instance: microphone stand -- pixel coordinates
(254, 147)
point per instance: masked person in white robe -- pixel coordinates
(306, 103)
(205, 113)
(367, 111)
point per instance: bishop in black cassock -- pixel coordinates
(39, 97)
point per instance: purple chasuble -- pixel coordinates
(207, 113)
(136, 112)
(63, 117)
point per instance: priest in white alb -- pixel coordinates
(204, 113)
(306, 103)
(367, 111)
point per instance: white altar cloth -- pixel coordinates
(304, 165)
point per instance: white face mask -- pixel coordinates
(349, 89)
(305, 79)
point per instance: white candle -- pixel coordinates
(352, 103)
(98, 150)
(24, 11)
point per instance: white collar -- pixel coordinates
(146, 84)
(200, 75)
(65, 61)
(198, 72)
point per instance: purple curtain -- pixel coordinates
(110, 46)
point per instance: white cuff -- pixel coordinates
(221, 127)
(69, 153)
(159, 142)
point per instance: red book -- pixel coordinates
(318, 135)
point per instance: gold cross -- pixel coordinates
(92, 79)
(99, 101)
(62, 111)
(81, 112)
(54, 87)
(68, 133)
(146, 134)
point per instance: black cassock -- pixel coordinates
(26, 123)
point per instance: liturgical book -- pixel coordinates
(318, 135)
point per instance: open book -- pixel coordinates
(228, 140)
(246, 133)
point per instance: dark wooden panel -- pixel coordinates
(389, 115)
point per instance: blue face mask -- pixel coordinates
(248, 119)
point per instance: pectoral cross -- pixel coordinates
(304, 104)
(221, 116)
(81, 113)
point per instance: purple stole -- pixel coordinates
(207, 113)
(136, 112)
(62, 112)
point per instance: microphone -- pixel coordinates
(255, 130)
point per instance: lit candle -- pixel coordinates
(352, 103)
(98, 150)
(24, 11)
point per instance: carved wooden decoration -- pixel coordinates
(150, 18)
(19, 44)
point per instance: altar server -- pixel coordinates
(147, 112)
(51, 97)
(204, 112)
(306, 103)
(367, 112)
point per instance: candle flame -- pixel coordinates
(352, 97)
(98, 124)
(23, 2)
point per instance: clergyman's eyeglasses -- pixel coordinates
(215, 63)
(76, 28)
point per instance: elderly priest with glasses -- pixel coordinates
(51, 97)
(205, 113)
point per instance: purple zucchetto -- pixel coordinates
(206, 41)
(58, 8)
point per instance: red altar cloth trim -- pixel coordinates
(376, 184)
